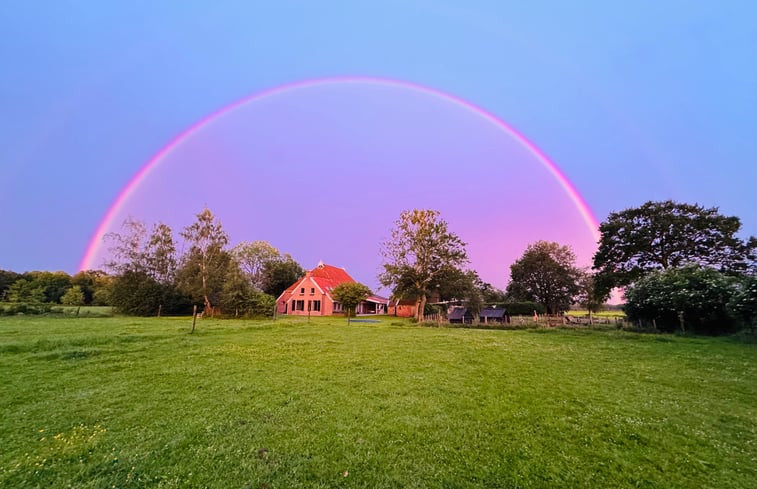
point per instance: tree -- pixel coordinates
(73, 297)
(7, 278)
(160, 254)
(546, 273)
(53, 284)
(137, 293)
(350, 294)
(24, 290)
(253, 258)
(589, 297)
(127, 247)
(237, 292)
(278, 275)
(206, 263)
(743, 303)
(663, 235)
(692, 298)
(90, 281)
(420, 248)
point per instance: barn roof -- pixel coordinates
(458, 313)
(492, 313)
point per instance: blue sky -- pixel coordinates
(634, 100)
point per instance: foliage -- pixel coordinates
(160, 254)
(743, 303)
(206, 263)
(139, 294)
(261, 305)
(90, 282)
(524, 308)
(489, 293)
(52, 284)
(236, 292)
(278, 275)
(693, 297)
(23, 308)
(546, 273)
(420, 250)
(7, 278)
(73, 297)
(25, 290)
(253, 258)
(137, 402)
(350, 294)
(126, 248)
(663, 235)
(136, 251)
(590, 297)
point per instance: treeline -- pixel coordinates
(682, 266)
(38, 291)
(151, 277)
(147, 276)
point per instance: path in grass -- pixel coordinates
(140, 403)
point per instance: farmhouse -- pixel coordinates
(311, 295)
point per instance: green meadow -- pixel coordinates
(126, 402)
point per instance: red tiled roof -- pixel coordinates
(328, 277)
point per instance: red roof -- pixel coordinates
(327, 277)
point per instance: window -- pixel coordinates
(302, 290)
(312, 290)
(298, 305)
(316, 305)
(337, 307)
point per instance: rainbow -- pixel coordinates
(96, 240)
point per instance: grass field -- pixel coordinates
(127, 402)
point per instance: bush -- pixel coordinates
(25, 308)
(262, 305)
(743, 303)
(525, 308)
(695, 295)
(137, 294)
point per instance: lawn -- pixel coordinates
(128, 402)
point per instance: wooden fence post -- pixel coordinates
(194, 318)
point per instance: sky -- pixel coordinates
(631, 102)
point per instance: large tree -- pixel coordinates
(206, 263)
(277, 275)
(420, 249)
(663, 235)
(546, 274)
(253, 257)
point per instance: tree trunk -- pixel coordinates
(421, 306)
(208, 306)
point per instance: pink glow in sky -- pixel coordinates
(322, 168)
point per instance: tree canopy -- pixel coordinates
(253, 258)
(350, 294)
(546, 274)
(663, 235)
(206, 263)
(420, 250)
